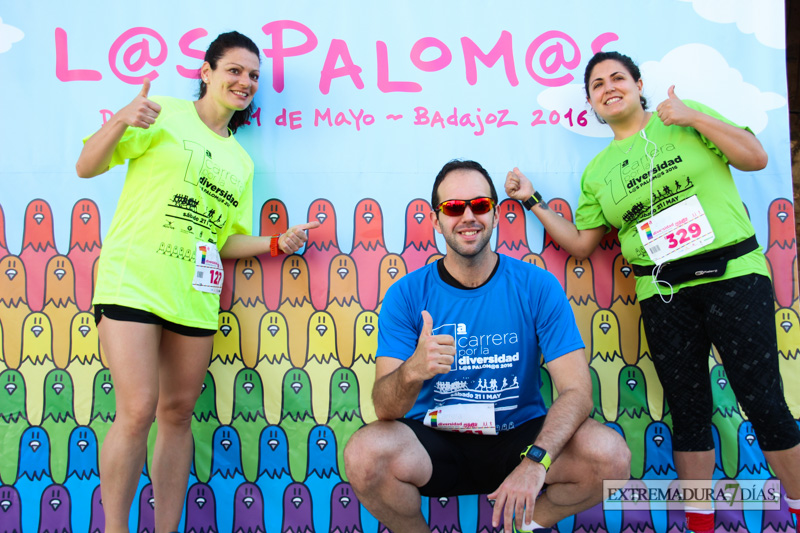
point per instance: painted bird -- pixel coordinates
(37, 361)
(787, 323)
(83, 475)
(606, 359)
(10, 510)
(146, 517)
(420, 240)
(54, 510)
(658, 464)
(345, 414)
(781, 251)
(753, 467)
(296, 306)
(34, 474)
(730, 520)
(248, 417)
(367, 251)
(344, 510)
(204, 423)
(719, 473)
(38, 246)
(579, 287)
(322, 474)
(13, 422)
(535, 259)
(443, 515)
(321, 247)
(104, 402)
(597, 404)
(13, 308)
(391, 269)
(248, 509)
(603, 259)
(777, 518)
(485, 510)
(84, 362)
(297, 419)
(226, 473)
(633, 416)
(626, 308)
(297, 510)
(273, 361)
(60, 306)
(226, 361)
(274, 221)
(97, 520)
(554, 256)
(84, 248)
(201, 509)
(321, 360)
(248, 306)
(58, 419)
(366, 345)
(344, 305)
(635, 513)
(273, 473)
(512, 240)
(727, 418)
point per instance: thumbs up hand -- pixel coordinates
(435, 354)
(673, 111)
(141, 112)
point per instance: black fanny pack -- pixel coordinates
(706, 265)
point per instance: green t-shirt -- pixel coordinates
(184, 184)
(615, 191)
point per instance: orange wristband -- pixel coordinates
(274, 249)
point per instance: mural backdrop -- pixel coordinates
(360, 104)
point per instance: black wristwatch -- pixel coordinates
(537, 455)
(533, 200)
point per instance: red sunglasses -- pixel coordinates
(455, 208)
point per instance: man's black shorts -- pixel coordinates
(464, 463)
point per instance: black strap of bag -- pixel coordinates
(707, 264)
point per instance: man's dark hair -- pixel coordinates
(458, 164)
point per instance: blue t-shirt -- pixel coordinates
(501, 329)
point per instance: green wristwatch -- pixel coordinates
(537, 455)
(533, 200)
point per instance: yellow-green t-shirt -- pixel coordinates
(184, 184)
(615, 191)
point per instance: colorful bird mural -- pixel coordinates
(296, 307)
(636, 513)
(104, 401)
(345, 414)
(273, 473)
(13, 422)
(391, 269)
(512, 240)
(366, 346)
(248, 417)
(248, 306)
(727, 418)
(606, 359)
(84, 248)
(579, 287)
(321, 361)
(274, 221)
(204, 423)
(322, 246)
(297, 510)
(58, 419)
(146, 519)
(248, 509)
(485, 510)
(367, 251)
(226, 361)
(273, 361)
(201, 509)
(34, 474)
(322, 474)
(781, 251)
(13, 308)
(297, 419)
(226, 473)
(787, 324)
(3, 242)
(344, 510)
(633, 416)
(604, 259)
(420, 238)
(10, 510)
(84, 362)
(38, 246)
(54, 510)
(443, 515)
(83, 474)
(626, 308)
(344, 305)
(60, 306)
(554, 256)
(37, 360)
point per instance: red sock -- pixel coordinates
(700, 522)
